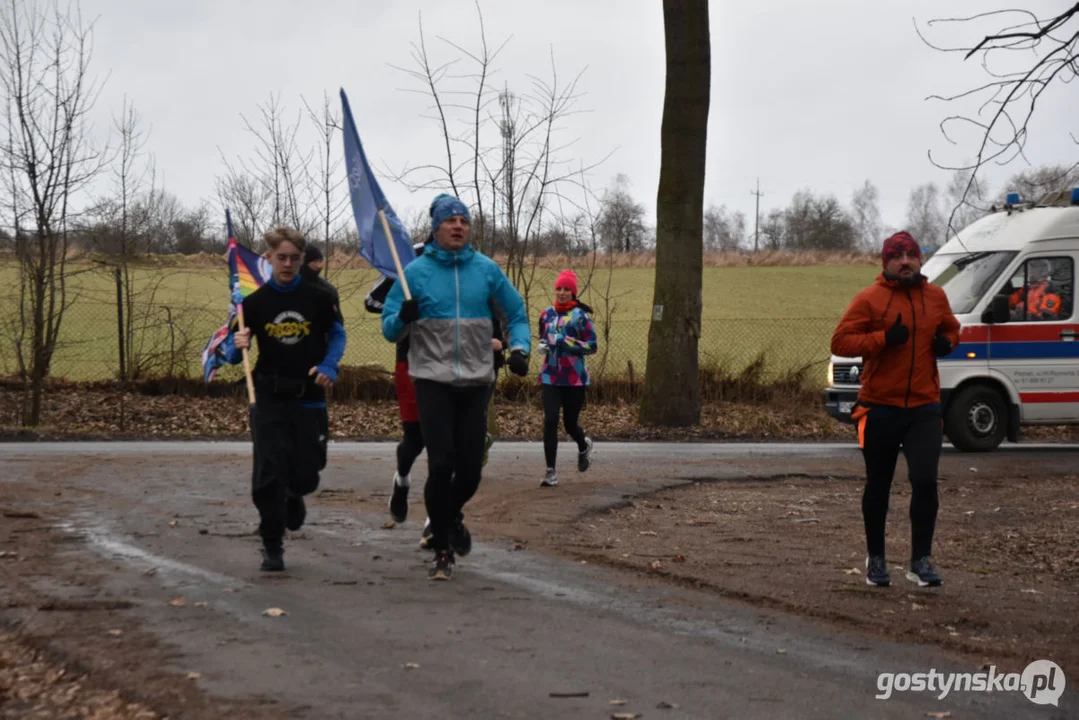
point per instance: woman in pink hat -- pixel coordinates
(566, 336)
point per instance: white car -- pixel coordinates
(1010, 279)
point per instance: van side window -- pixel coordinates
(1042, 290)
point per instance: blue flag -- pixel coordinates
(367, 200)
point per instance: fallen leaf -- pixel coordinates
(852, 571)
(624, 716)
(678, 559)
(116, 632)
(664, 705)
(945, 714)
(974, 469)
(389, 525)
(193, 675)
(1031, 591)
(204, 531)
(201, 603)
(780, 651)
(617, 702)
(652, 533)
(411, 666)
(969, 512)
(274, 612)
(173, 523)
(178, 602)
(916, 606)
(656, 565)
(151, 571)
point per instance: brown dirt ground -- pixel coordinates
(1005, 546)
(86, 658)
(90, 414)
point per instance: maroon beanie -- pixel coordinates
(898, 244)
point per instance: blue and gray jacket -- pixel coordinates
(459, 293)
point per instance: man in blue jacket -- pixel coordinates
(456, 294)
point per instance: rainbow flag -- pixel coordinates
(247, 273)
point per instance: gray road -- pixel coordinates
(367, 636)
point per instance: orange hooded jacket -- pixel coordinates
(903, 375)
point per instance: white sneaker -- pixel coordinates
(550, 479)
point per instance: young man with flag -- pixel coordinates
(301, 340)
(456, 293)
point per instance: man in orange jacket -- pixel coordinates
(899, 326)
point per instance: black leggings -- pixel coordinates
(290, 451)
(454, 425)
(409, 448)
(919, 433)
(569, 400)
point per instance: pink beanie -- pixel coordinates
(567, 279)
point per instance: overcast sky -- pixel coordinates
(822, 94)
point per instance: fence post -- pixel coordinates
(120, 337)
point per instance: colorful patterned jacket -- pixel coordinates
(565, 340)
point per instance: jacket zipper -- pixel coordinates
(913, 335)
(457, 340)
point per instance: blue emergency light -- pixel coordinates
(1075, 196)
(1012, 199)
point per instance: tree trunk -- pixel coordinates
(671, 394)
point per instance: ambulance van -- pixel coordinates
(1010, 279)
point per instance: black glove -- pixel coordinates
(897, 334)
(410, 311)
(518, 363)
(941, 346)
(500, 360)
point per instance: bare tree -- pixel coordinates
(325, 179)
(672, 393)
(48, 156)
(817, 223)
(966, 199)
(621, 219)
(1025, 54)
(865, 215)
(925, 218)
(503, 155)
(1037, 182)
(723, 230)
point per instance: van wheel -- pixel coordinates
(977, 419)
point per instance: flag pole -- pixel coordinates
(247, 361)
(393, 251)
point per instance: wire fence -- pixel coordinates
(157, 326)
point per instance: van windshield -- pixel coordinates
(966, 277)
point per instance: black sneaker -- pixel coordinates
(399, 501)
(876, 571)
(272, 560)
(425, 538)
(443, 567)
(295, 511)
(923, 573)
(460, 537)
(584, 457)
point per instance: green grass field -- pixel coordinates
(787, 313)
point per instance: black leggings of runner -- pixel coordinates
(919, 433)
(409, 448)
(454, 424)
(569, 400)
(289, 452)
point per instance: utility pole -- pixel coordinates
(757, 222)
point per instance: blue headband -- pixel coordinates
(446, 206)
